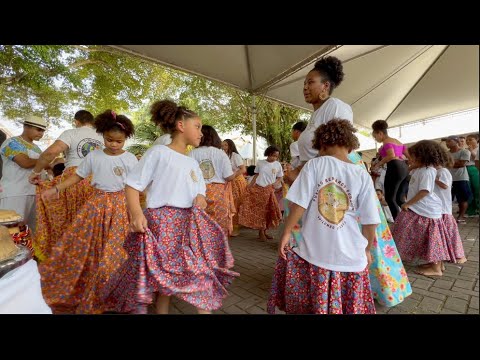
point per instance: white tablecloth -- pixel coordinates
(20, 291)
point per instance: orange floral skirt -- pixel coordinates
(54, 216)
(259, 209)
(239, 186)
(221, 205)
(89, 253)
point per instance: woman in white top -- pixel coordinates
(55, 215)
(217, 173)
(473, 176)
(326, 271)
(318, 86)
(239, 184)
(176, 249)
(259, 209)
(419, 231)
(91, 248)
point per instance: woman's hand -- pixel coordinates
(200, 201)
(284, 246)
(139, 223)
(405, 206)
(49, 194)
(34, 178)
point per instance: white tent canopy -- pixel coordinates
(399, 83)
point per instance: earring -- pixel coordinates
(323, 96)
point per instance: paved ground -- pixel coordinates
(456, 292)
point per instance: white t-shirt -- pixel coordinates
(295, 154)
(424, 179)
(445, 195)
(165, 139)
(109, 172)
(80, 141)
(268, 172)
(14, 180)
(236, 161)
(334, 193)
(460, 174)
(475, 153)
(170, 178)
(332, 108)
(214, 163)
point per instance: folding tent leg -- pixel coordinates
(254, 127)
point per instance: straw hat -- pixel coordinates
(8, 249)
(35, 121)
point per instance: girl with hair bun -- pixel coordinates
(175, 248)
(90, 251)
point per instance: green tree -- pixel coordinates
(54, 81)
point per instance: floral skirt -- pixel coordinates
(299, 287)
(221, 205)
(183, 253)
(259, 209)
(421, 238)
(55, 215)
(87, 255)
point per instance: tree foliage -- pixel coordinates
(54, 81)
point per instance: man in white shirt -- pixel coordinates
(19, 156)
(461, 185)
(75, 143)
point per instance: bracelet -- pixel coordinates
(33, 171)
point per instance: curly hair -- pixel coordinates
(231, 147)
(167, 113)
(272, 149)
(210, 137)
(447, 159)
(337, 132)
(330, 69)
(427, 153)
(109, 120)
(380, 126)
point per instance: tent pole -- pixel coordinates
(254, 127)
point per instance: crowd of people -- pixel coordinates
(115, 232)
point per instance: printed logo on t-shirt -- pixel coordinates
(193, 176)
(207, 168)
(334, 199)
(274, 171)
(87, 145)
(118, 170)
